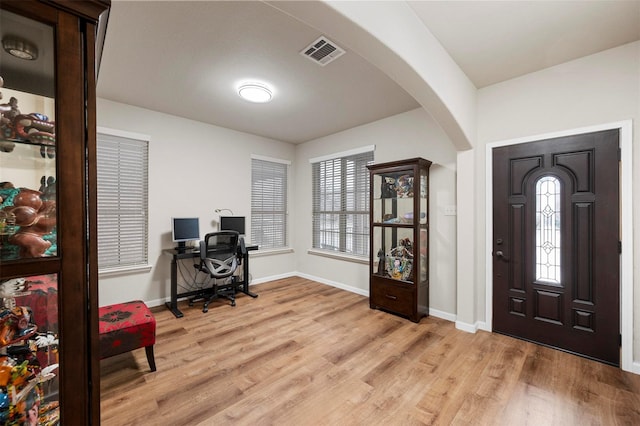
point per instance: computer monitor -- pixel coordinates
(184, 229)
(232, 223)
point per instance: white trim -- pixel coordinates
(432, 312)
(123, 134)
(127, 270)
(442, 315)
(470, 328)
(271, 278)
(270, 159)
(626, 237)
(635, 368)
(339, 256)
(626, 226)
(348, 153)
(335, 284)
(270, 252)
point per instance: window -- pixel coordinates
(341, 202)
(548, 229)
(122, 200)
(269, 202)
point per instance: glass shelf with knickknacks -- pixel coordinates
(33, 128)
(27, 177)
(29, 384)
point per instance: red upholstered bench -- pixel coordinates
(125, 327)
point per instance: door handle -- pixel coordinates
(501, 255)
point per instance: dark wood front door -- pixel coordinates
(556, 243)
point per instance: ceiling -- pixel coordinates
(493, 41)
(186, 58)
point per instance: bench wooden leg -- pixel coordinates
(150, 357)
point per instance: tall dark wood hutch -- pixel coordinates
(399, 247)
(49, 362)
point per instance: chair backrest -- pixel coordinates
(218, 253)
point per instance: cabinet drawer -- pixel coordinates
(393, 298)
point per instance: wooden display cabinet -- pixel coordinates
(49, 357)
(399, 245)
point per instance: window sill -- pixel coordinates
(270, 252)
(339, 256)
(112, 272)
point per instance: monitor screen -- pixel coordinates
(232, 223)
(185, 229)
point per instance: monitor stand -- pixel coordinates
(182, 247)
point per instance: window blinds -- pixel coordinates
(269, 203)
(341, 203)
(122, 168)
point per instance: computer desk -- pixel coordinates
(243, 285)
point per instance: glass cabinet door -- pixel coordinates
(27, 140)
(393, 222)
(29, 385)
(423, 226)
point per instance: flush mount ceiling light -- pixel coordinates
(20, 48)
(255, 92)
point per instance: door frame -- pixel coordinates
(626, 228)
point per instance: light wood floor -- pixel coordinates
(303, 353)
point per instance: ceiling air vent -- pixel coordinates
(322, 51)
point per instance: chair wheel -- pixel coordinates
(233, 303)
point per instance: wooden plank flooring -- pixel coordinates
(303, 353)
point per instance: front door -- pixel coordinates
(556, 243)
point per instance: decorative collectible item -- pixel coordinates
(388, 187)
(34, 127)
(32, 216)
(404, 186)
(381, 262)
(400, 260)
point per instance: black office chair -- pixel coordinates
(219, 259)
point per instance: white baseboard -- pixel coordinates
(471, 328)
(272, 278)
(635, 367)
(334, 284)
(156, 302)
(441, 314)
(434, 312)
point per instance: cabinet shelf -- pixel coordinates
(25, 142)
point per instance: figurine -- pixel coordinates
(404, 186)
(35, 217)
(12, 288)
(388, 190)
(381, 262)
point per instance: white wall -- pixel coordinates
(194, 168)
(185, 191)
(407, 135)
(593, 90)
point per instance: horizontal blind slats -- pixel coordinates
(269, 203)
(340, 199)
(122, 191)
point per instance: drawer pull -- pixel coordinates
(392, 297)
